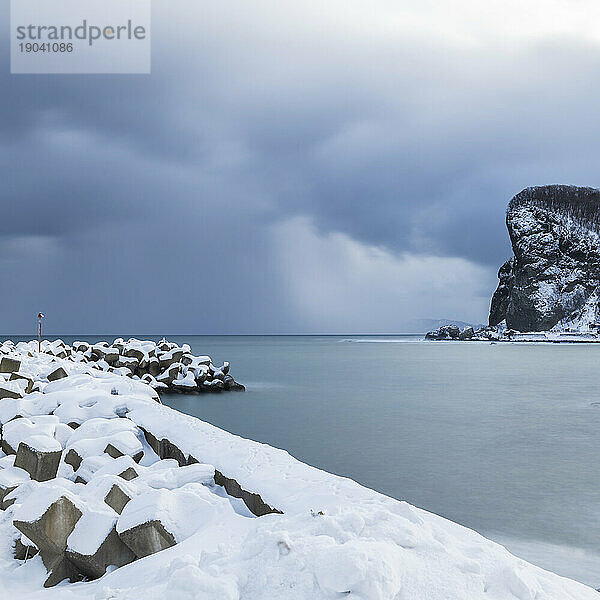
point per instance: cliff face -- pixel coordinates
(553, 280)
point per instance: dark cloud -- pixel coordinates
(124, 186)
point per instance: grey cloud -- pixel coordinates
(251, 118)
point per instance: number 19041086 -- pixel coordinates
(46, 47)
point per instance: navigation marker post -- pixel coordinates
(40, 317)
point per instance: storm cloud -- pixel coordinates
(291, 166)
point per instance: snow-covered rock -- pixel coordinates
(549, 290)
(554, 277)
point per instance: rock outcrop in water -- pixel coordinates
(553, 279)
(451, 332)
(552, 283)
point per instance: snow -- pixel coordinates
(176, 477)
(36, 503)
(99, 431)
(581, 321)
(91, 530)
(124, 441)
(18, 430)
(103, 465)
(187, 380)
(43, 443)
(11, 476)
(100, 485)
(63, 434)
(182, 512)
(12, 386)
(335, 538)
(9, 409)
(7, 461)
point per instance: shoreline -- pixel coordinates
(334, 535)
(452, 333)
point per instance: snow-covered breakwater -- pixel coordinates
(164, 366)
(144, 499)
(85, 487)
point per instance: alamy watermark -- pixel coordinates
(80, 36)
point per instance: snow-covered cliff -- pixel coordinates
(553, 280)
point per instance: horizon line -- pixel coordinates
(9, 335)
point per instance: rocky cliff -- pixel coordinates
(553, 279)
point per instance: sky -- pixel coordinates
(291, 166)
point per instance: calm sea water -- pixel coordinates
(502, 438)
